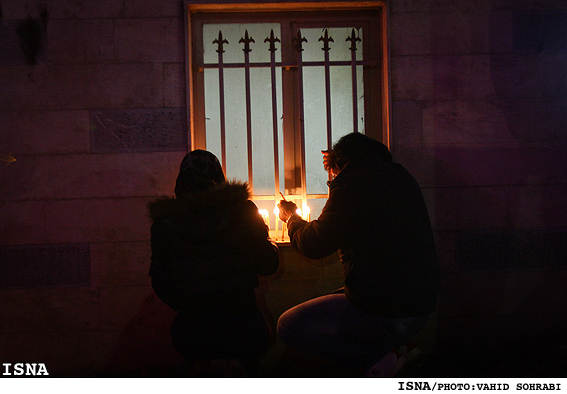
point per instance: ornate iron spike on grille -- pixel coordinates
(298, 41)
(246, 40)
(272, 40)
(353, 40)
(220, 41)
(326, 40)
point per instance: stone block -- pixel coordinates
(163, 40)
(466, 122)
(91, 176)
(516, 75)
(454, 33)
(120, 264)
(500, 33)
(49, 310)
(538, 206)
(139, 130)
(493, 293)
(22, 223)
(21, 9)
(441, 77)
(47, 132)
(23, 42)
(122, 306)
(512, 250)
(152, 8)
(445, 244)
(518, 120)
(74, 221)
(97, 220)
(174, 85)
(468, 208)
(440, 6)
(80, 41)
(551, 73)
(70, 9)
(539, 31)
(479, 165)
(82, 86)
(537, 119)
(421, 162)
(407, 127)
(37, 266)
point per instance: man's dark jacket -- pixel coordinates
(208, 248)
(377, 220)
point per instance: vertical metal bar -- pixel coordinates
(353, 40)
(220, 41)
(298, 41)
(326, 39)
(326, 48)
(272, 40)
(246, 41)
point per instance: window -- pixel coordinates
(272, 87)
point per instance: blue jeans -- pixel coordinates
(332, 327)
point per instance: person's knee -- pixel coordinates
(282, 324)
(285, 327)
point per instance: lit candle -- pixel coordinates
(265, 216)
(277, 213)
(307, 213)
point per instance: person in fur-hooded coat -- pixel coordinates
(209, 244)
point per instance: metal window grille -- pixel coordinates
(298, 42)
(301, 55)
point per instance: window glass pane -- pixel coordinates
(339, 46)
(341, 93)
(235, 103)
(315, 128)
(233, 32)
(262, 131)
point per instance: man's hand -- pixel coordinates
(326, 159)
(329, 163)
(287, 209)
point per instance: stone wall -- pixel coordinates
(93, 108)
(478, 103)
(96, 119)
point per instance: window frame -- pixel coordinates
(376, 107)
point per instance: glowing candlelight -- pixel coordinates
(277, 213)
(307, 213)
(265, 215)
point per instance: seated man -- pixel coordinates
(377, 220)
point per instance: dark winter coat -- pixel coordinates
(377, 219)
(208, 248)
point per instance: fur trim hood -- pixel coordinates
(223, 195)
